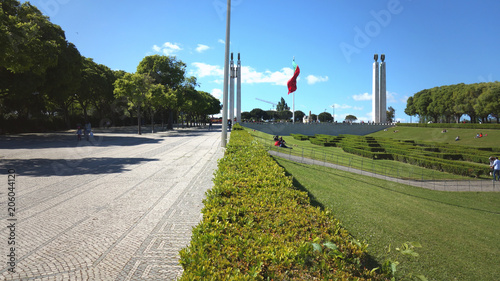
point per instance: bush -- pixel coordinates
(299, 137)
(237, 127)
(256, 226)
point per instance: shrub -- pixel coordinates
(256, 226)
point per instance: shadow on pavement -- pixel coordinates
(55, 140)
(70, 167)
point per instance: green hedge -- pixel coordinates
(300, 137)
(256, 226)
(452, 125)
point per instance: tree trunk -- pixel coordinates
(139, 125)
(152, 122)
(170, 119)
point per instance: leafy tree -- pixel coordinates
(391, 113)
(245, 115)
(299, 116)
(282, 106)
(63, 81)
(136, 89)
(29, 41)
(325, 117)
(164, 70)
(284, 115)
(169, 72)
(351, 118)
(259, 114)
(410, 108)
(272, 115)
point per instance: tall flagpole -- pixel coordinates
(226, 74)
(293, 102)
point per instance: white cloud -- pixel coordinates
(311, 79)
(204, 70)
(221, 41)
(217, 93)
(167, 48)
(281, 77)
(391, 97)
(343, 106)
(202, 48)
(362, 97)
(404, 99)
(248, 74)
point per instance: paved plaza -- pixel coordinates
(117, 207)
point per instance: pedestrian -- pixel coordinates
(491, 159)
(210, 124)
(496, 169)
(88, 128)
(79, 133)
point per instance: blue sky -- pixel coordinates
(426, 43)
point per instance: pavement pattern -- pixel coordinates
(117, 207)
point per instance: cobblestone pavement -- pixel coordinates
(443, 185)
(119, 207)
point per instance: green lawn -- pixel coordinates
(459, 232)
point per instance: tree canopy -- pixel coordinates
(447, 104)
(45, 83)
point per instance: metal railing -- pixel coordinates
(383, 169)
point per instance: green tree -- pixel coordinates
(391, 113)
(63, 81)
(245, 115)
(259, 114)
(29, 41)
(136, 89)
(351, 118)
(325, 117)
(282, 106)
(169, 72)
(299, 116)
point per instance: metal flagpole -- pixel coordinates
(226, 74)
(293, 101)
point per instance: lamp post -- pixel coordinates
(226, 74)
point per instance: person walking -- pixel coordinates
(496, 169)
(79, 133)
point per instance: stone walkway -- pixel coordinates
(119, 207)
(443, 185)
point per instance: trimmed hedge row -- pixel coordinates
(256, 226)
(300, 137)
(452, 125)
(438, 156)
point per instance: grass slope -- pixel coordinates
(467, 136)
(459, 232)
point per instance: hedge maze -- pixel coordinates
(455, 159)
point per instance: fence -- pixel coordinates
(383, 169)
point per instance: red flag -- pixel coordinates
(292, 83)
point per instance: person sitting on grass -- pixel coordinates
(281, 143)
(457, 138)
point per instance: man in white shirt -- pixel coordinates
(496, 169)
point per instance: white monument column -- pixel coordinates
(382, 92)
(375, 92)
(231, 90)
(238, 90)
